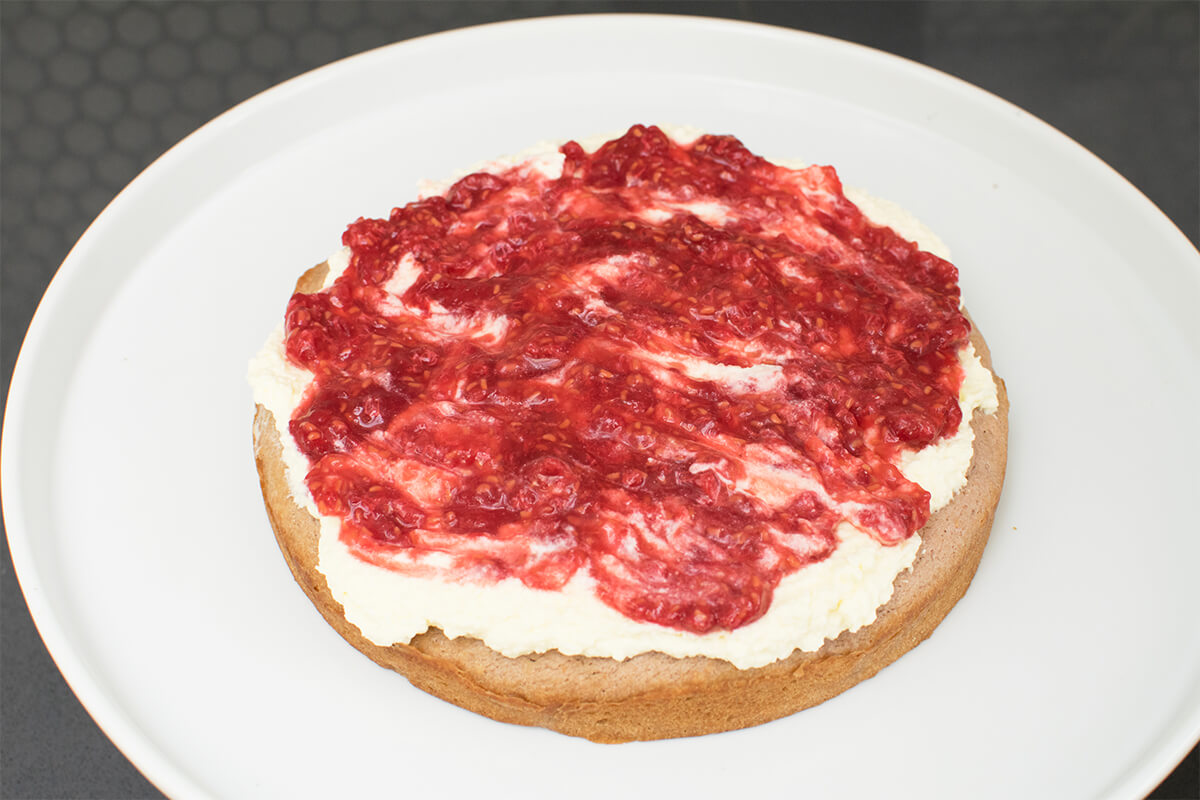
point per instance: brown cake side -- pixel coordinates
(655, 696)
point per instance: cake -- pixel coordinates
(644, 439)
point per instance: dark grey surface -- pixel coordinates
(90, 93)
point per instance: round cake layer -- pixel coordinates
(845, 458)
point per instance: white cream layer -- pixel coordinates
(810, 606)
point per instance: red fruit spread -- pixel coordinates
(677, 367)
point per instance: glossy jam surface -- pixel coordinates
(678, 367)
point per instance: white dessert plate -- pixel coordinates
(1072, 666)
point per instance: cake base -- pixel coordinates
(653, 695)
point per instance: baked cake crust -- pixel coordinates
(655, 696)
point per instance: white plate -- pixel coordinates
(1072, 667)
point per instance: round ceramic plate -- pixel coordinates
(133, 510)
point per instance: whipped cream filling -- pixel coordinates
(810, 606)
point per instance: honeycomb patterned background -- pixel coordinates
(92, 92)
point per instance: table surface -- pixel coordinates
(91, 93)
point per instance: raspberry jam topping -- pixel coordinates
(675, 367)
